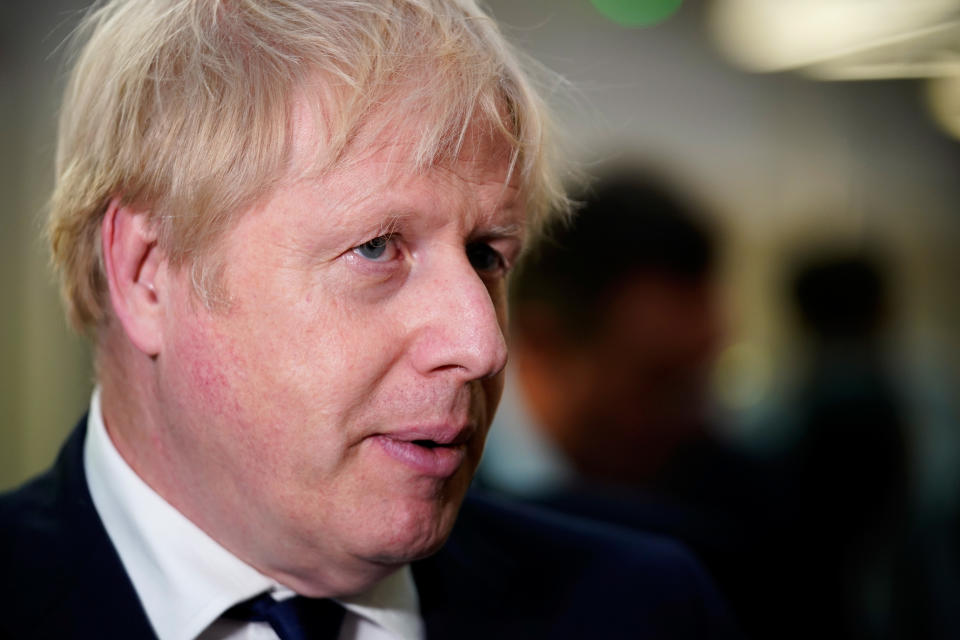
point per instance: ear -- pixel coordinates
(133, 266)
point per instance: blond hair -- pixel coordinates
(183, 108)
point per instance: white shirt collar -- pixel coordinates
(183, 577)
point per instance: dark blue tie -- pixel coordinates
(296, 618)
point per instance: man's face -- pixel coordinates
(645, 375)
(332, 416)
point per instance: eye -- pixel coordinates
(484, 258)
(379, 249)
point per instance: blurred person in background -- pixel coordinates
(615, 326)
(848, 461)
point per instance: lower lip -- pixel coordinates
(438, 462)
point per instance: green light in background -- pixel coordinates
(637, 13)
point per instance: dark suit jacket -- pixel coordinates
(506, 572)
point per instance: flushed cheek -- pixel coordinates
(201, 370)
(324, 361)
(228, 396)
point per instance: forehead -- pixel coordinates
(385, 151)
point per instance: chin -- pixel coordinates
(414, 529)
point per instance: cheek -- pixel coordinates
(498, 295)
(209, 371)
(202, 384)
(493, 390)
(221, 366)
(240, 411)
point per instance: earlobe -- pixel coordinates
(133, 265)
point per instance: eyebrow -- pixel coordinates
(512, 231)
(392, 223)
(506, 230)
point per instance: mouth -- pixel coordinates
(437, 456)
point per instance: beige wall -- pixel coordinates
(44, 370)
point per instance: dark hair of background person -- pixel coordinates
(627, 222)
(841, 295)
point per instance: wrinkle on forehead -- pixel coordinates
(475, 193)
(387, 146)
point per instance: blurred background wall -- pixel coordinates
(45, 375)
(788, 164)
(784, 161)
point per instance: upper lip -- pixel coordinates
(441, 434)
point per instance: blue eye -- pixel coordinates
(483, 257)
(374, 249)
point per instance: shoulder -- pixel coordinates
(61, 576)
(32, 518)
(548, 575)
(542, 537)
(39, 530)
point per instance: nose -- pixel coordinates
(458, 324)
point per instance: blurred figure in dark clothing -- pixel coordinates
(849, 463)
(615, 325)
